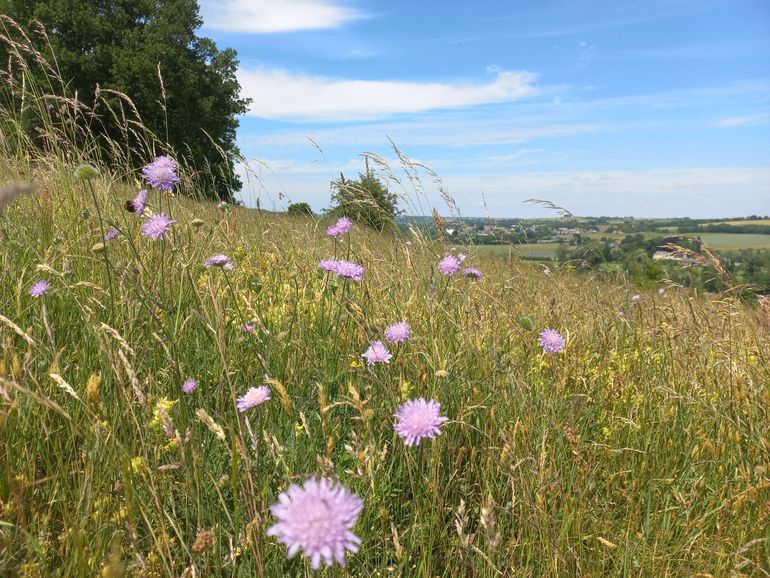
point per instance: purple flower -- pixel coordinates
(398, 332)
(219, 260)
(248, 328)
(472, 273)
(190, 385)
(328, 265)
(551, 341)
(661, 292)
(636, 298)
(418, 418)
(157, 226)
(318, 519)
(350, 270)
(137, 204)
(342, 226)
(111, 234)
(620, 314)
(345, 269)
(161, 173)
(38, 288)
(377, 353)
(449, 265)
(254, 396)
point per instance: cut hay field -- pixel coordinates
(640, 449)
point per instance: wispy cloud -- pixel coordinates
(271, 16)
(749, 120)
(281, 94)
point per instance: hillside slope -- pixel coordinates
(641, 449)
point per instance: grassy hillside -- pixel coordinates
(640, 450)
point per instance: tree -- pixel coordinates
(365, 200)
(299, 209)
(184, 88)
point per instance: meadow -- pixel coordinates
(639, 449)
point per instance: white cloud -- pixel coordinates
(270, 16)
(750, 120)
(280, 94)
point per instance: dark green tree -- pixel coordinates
(299, 209)
(365, 200)
(129, 46)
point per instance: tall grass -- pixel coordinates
(641, 450)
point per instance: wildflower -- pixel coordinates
(254, 396)
(248, 328)
(39, 288)
(318, 519)
(342, 226)
(328, 265)
(661, 292)
(222, 206)
(418, 418)
(472, 273)
(377, 353)
(449, 265)
(461, 256)
(220, 260)
(546, 271)
(136, 205)
(86, 172)
(350, 270)
(190, 385)
(161, 173)
(636, 298)
(157, 226)
(398, 332)
(111, 234)
(551, 341)
(620, 314)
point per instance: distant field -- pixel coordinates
(719, 241)
(740, 223)
(733, 241)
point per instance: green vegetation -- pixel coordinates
(365, 200)
(124, 72)
(299, 209)
(640, 450)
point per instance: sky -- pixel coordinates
(646, 108)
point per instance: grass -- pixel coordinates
(641, 450)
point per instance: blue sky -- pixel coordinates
(606, 107)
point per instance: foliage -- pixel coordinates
(148, 50)
(366, 201)
(299, 209)
(640, 450)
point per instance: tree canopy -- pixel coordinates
(184, 88)
(365, 200)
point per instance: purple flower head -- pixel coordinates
(111, 234)
(418, 418)
(328, 265)
(136, 205)
(317, 519)
(661, 292)
(342, 226)
(157, 226)
(620, 314)
(636, 298)
(398, 332)
(161, 173)
(254, 396)
(449, 265)
(377, 353)
(219, 260)
(472, 273)
(189, 385)
(38, 288)
(350, 270)
(248, 328)
(551, 341)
